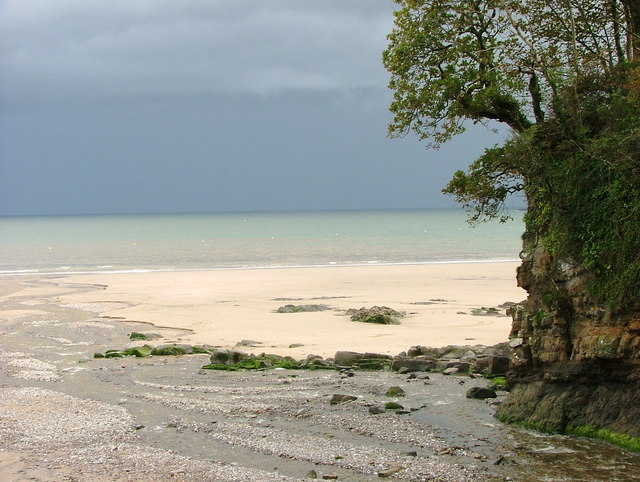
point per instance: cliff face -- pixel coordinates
(575, 366)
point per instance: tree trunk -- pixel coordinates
(632, 8)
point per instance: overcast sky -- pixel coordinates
(123, 106)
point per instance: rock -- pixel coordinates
(312, 474)
(346, 358)
(361, 361)
(498, 365)
(390, 471)
(376, 314)
(227, 357)
(393, 406)
(315, 362)
(338, 398)
(450, 371)
(171, 350)
(481, 365)
(301, 308)
(413, 364)
(463, 367)
(249, 343)
(376, 410)
(481, 393)
(138, 351)
(395, 392)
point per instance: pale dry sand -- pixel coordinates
(221, 308)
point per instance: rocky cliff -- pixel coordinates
(575, 366)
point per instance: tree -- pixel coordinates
(563, 76)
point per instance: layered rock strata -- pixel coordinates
(575, 366)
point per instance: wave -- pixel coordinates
(105, 269)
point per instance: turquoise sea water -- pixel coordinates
(54, 244)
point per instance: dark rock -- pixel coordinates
(498, 365)
(413, 364)
(375, 410)
(227, 357)
(393, 406)
(338, 398)
(480, 393)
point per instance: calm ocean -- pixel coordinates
(66, 244)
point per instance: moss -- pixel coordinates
(393, 406)
(98, 355)
(220, 366)
(138, 351)
(372, 364)
(113, 354)
(168, 350)
(626, 441)
(138, 336)
(196, 349)
(498, 383)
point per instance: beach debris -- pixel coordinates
(382, 315)
(481, 393)
(390, 471)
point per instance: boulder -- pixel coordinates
(227, 357)
(413, 364)
(382, 315)
(481, 393)
(338, 398)
(498, 365)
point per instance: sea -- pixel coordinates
(250, 240)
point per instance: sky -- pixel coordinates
(143, 106)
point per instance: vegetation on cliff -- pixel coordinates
(564, 77)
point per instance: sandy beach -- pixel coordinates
(67, 416)
(222, 308)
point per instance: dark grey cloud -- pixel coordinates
(205, 105)
(106, 47)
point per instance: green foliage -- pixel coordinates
(562, 77)
(137, 336)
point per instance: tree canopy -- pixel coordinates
(563, 75)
